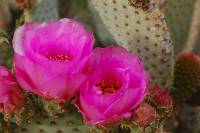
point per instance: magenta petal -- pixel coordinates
(63, 89)
(22, 76)
(64, 34)
(117, 84)
(50, 57)
(90, 113)
(11, 96)
(124, 103)
(45, 81)
(101, 101)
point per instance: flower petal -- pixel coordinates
(18, 40)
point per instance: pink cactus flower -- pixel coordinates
(11, 96)
(49, 57)
(117, 84)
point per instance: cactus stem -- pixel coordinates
(194, 28)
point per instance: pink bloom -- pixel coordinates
(118, 83)
(11, 96)
(161, 98)
(144, 115)
(49, 57)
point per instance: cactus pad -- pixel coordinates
(140, 27)
(178, 15)
(66, 123)
(104, 37)
(46, 10)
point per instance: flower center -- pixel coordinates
(58, 57)
(109, 86)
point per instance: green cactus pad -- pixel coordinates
(66, 123)
(78, 9)
(141, 29)
(178, 15)
(104, 36)
(45, 10)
